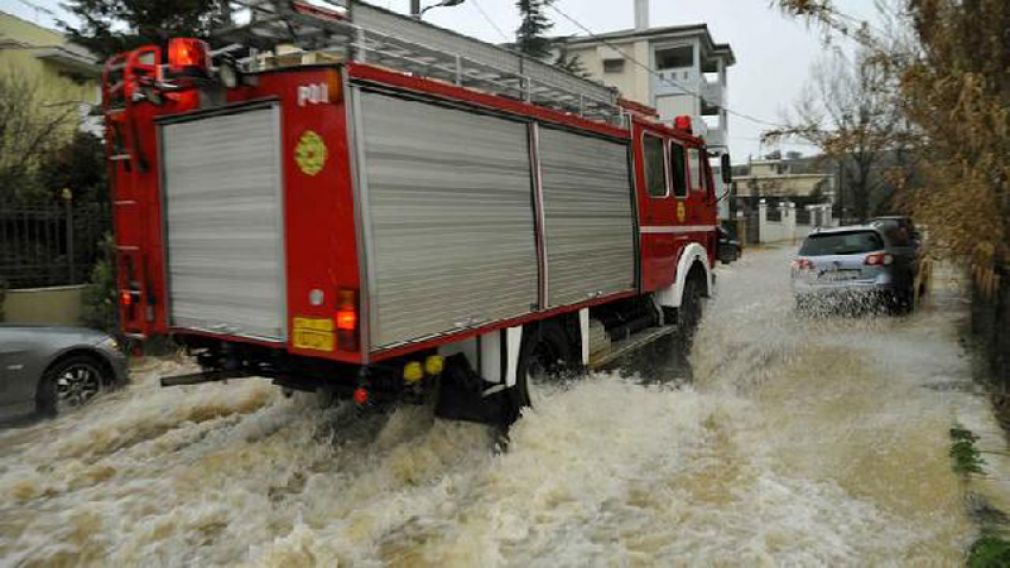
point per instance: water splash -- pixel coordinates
(799, 442)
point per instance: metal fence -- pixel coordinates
(802, 215)
(990, 317)
(51, 244)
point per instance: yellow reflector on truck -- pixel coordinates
(434, 364)
(412, 372)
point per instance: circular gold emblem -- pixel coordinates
(681, 211)
(310, 154)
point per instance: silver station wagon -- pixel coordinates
(855, 267)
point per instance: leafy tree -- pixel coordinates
(29, 130)
(112, 26)
(80, 165)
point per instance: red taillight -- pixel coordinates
(878, 259)
(361, 396)
(126, 298)
(803, 264)
(186, 55)
(347, 319)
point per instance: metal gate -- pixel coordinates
(224, 228)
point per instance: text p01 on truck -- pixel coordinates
(353, 201)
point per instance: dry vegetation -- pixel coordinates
(950, 61)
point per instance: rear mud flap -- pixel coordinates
(465, 395)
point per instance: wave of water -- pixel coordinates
(800, 442)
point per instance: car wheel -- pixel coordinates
(543, 358)
(901, 302)
(71, 383)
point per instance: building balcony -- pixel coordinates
(715, 137)
(713, 92)
(689, 81)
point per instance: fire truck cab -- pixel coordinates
(387, 219)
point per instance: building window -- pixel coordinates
(678, 170)
(655, 166)
(675, 57)
(613, 65)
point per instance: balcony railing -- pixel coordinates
(688, 81)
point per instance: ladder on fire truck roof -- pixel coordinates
(357, 31)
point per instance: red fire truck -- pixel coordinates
(353, 201)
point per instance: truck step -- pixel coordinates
(635, 341)
(599, 341)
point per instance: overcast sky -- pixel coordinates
(774, 54)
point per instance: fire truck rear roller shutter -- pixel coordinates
(588, 216)
(223, 223)
(451, 220)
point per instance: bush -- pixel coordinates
(100, 309)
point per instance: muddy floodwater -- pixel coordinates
(787, 440)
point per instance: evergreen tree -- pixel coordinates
(112, 26)
(531, 37)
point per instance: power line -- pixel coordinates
(659, 75)
(488, 19)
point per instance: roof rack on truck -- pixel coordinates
(356, 31)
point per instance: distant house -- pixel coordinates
(63, 74)
(777, 178)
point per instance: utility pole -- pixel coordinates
(415, 9)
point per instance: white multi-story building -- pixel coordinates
(678, 70)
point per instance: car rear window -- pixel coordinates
(854, 242)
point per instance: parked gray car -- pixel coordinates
(49, 370)
(855, 266)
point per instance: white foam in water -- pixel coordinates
(801, 442)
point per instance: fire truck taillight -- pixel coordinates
(188, 56)
(347, 319)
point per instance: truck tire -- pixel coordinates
(690, 311)
(546, 354)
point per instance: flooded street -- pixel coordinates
(790, 441)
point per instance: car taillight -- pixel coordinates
(803, 264)
(878, 259)
(188, 56)
(347, 319)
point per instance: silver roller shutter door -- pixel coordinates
(588, 216)
(451, 237)
(224, 224)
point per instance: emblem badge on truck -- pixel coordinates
(310, 153)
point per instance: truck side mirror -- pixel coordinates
(726, 167)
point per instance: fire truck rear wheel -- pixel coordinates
(689, 314)
(546, 354)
